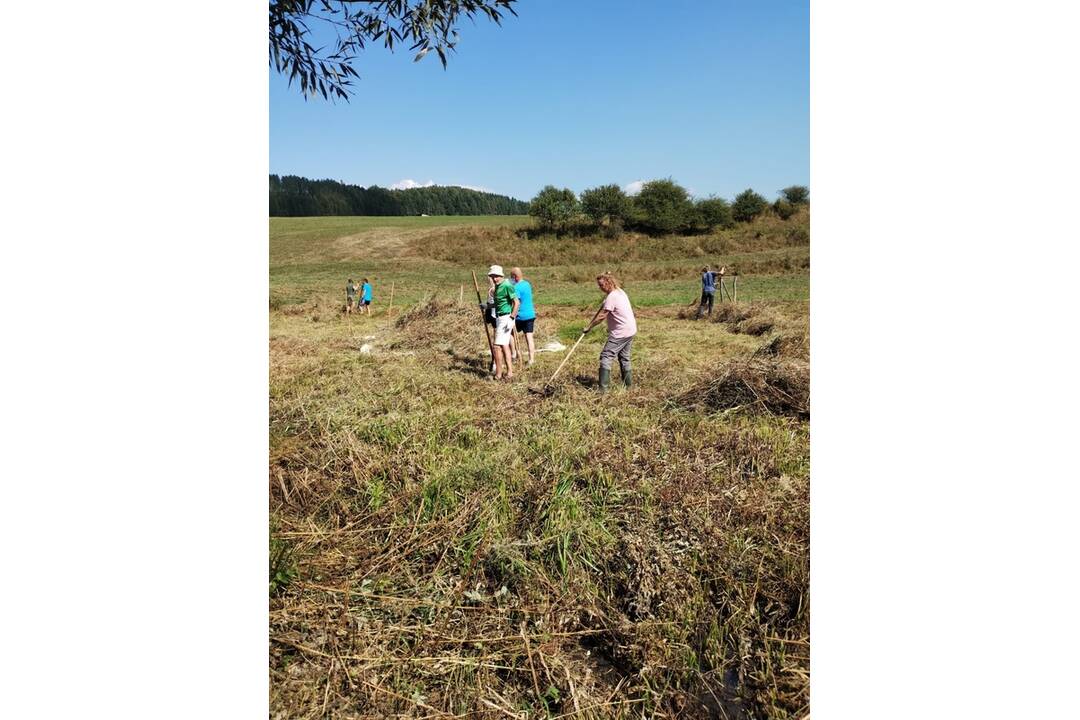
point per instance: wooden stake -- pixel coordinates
(461, 295)
(390, 308)
(736, 283)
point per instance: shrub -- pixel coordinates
(714, 212)
(553, 208)
(796, 194)
(784, 208)
(748, 205)
(607, 204)
(664, 206)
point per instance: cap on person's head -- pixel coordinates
(496, 270)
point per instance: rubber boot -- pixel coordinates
(626, 377)
(605, 379)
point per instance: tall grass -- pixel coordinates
(477, 244)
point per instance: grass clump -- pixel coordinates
(283, 568)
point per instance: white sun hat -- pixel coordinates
(496, 270)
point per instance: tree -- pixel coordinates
(553, 207)
(796, 194)
(424, 25)
(713, 212)
(748, 205)
(664, 205)
(606, 204)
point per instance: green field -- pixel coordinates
(312, 258)
(446, 545)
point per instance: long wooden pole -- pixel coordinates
(390, 308)
(483, 317)
(735, 282)
(724, 289)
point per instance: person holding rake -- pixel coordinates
(507, 305)
(621, 325)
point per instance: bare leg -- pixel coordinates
(509, 362)
(532, 348)
(498, 361)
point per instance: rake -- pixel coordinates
(548, 387)
(483, 318)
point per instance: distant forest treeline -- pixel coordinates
(292, 196)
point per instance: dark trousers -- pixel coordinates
(706, 297)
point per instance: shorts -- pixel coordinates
(365, 302)
(350, 300)
(503, 326)
(524, 326)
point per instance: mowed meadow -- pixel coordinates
(443, 545)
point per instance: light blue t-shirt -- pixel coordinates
(367, 292)
(524, 290)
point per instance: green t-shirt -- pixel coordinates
(505, 295)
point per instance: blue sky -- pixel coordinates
(574, 93)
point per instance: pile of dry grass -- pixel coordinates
(689, 312)
(780, 387)
(746, 319)
(793, 345)
(435, 324)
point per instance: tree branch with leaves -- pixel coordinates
(423, 25)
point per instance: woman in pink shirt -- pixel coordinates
(621, 325)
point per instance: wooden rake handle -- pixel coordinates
(583, 334)
(483, 318)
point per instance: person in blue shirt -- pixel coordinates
(365, 296)
(708, 289)
(526, 317)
